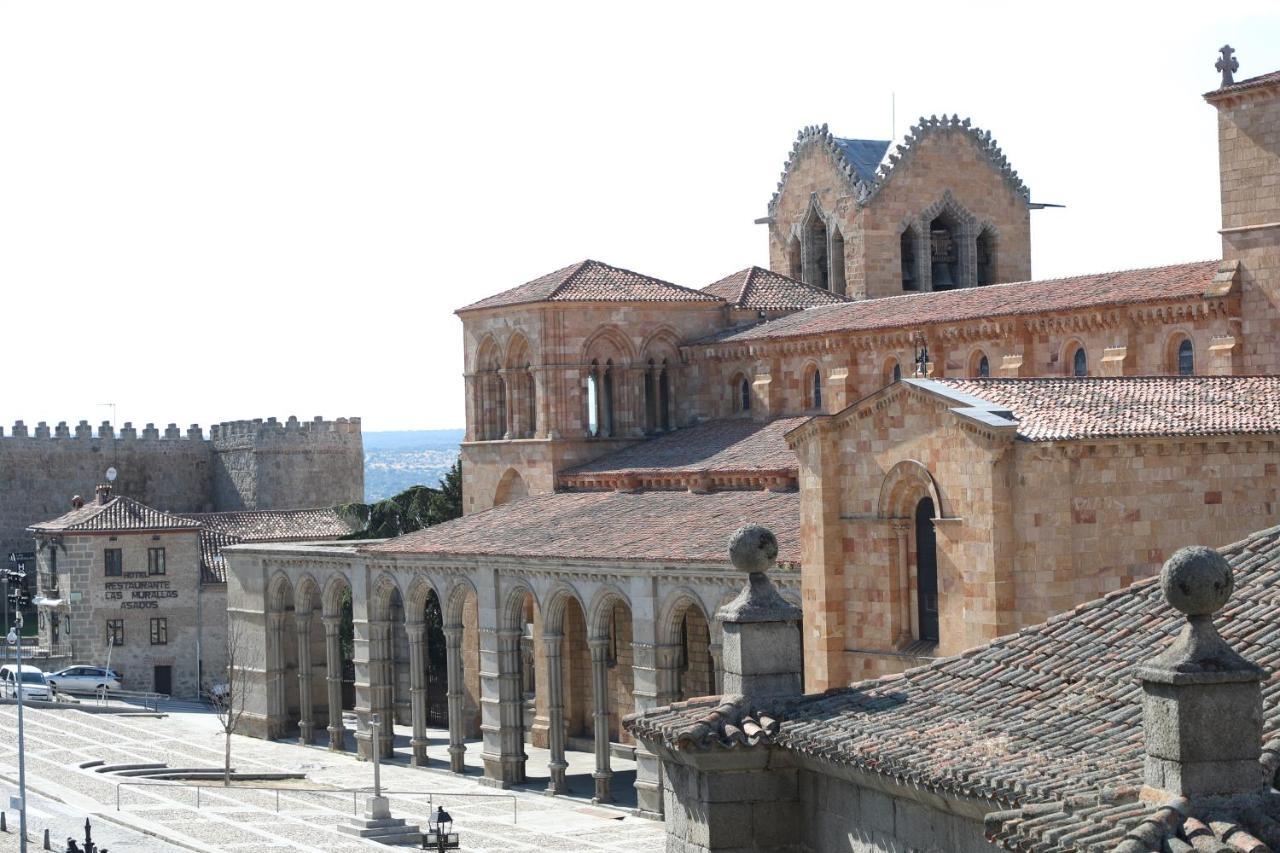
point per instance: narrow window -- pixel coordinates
(816, 270)
(664, 398)
(160, 631)
(837, 262)
(113, 559)
(115, 632)
(744, 395)
(815, 390)
(1186, 358)
(531, 401)
(907, 249)
(984, 367)
(986, 250)
(926, 571)
(650, 400)
(1079, 363)
(944, 253)
(606, 400)
(897, 372)
(593, 401)
(500, 406)
(155, 561)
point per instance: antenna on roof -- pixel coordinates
(893, 116)
(111, 474)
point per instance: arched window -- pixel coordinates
(664, 398)
(1186, 358)
(926, 571)
(606, 400)
(837, 261)
(944, 252)
(907, 249)
(986, 251)
(892, 371)
(1079, 362)
(813, 389)
(794, 267)
(650, 399)
(816, 270)
(500, 406)
(530, 401)
(593, 400)
(980, 366)
(744, 395)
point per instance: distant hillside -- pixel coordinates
(396, 460)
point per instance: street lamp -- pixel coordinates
(438, 836)
(15, 579)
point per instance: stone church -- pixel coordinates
(948, 450)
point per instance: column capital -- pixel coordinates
(599, 648)
(303, 620)
(453, 633)
(417, 631)
(332, 622)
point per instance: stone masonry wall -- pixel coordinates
(290, 465)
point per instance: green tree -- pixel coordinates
(413, 509)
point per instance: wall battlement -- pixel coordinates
(245, 464)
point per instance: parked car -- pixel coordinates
(219, 692)
(84, 679)
(34, 685)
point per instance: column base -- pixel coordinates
(337, 739)
(418, 749)
(557, 783)
(602, 788)
(456, 754)
(306, 733)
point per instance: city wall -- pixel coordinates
(241, 465)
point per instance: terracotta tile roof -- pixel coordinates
(1051, 713)
(1271, 77)
(1180, 281)
(668, 527)
(118, 514)
(1053, 409)
(731, 450)
(219, 529)
(592, 281)
(765, 290)
(707, 722)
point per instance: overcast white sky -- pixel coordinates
(212, 211)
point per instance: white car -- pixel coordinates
(34, 685)
(84, 679)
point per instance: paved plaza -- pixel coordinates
(159, 816)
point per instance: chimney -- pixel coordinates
(1202, 701)
(103, 493)
(77, 502)
(762, 656)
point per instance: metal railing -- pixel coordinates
(149, 701)
(354, 792)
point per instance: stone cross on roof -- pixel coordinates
(1227, 64)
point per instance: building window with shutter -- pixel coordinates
(115, 632)
(160, 632)
(155, 561)
(113, 560)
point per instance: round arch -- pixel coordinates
(1173, 348)
(903, 485)
(511, 487)
(280, 593)
(672, 610)
(518, 351)
(608, 342)
(457, 600)
(598, 617)
(421, 589)
(511, 615)
(556, 600)
(979, 364)
(383, 595)
(333, 590)
(306, 594)
(1067, 356)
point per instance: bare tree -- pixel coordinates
(229, 697)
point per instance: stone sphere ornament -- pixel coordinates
(1197, 580)
(753, 548)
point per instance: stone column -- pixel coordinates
(457, 695)
(417, 632)
(716, 650)
(382, 683)
(276, 693)
(552, 645)
(306, 711)
(600, 707)
(1202, 702)
(333, 680)
(508, 401)
(508, 727)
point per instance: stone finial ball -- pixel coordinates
(1197, 580)
(753, 548)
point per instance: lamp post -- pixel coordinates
(438, 836)
(15, 579)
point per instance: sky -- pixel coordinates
(215, 211)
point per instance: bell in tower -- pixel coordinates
(944, 256)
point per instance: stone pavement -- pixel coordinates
(246, 819)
